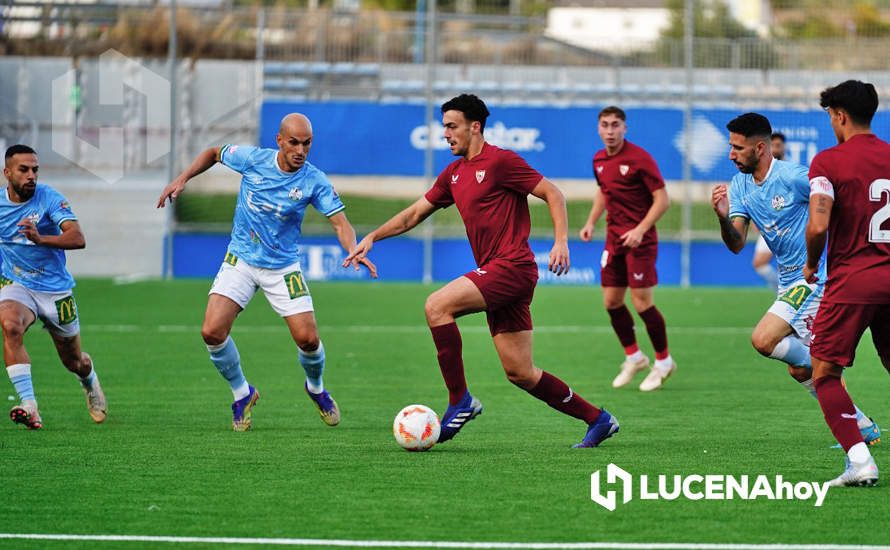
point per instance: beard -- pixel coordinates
(24, 193)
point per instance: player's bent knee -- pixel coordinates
(524, 378)
(435, 310)
(13, 329)
(309, 342)
(763, 343)
(213, 336)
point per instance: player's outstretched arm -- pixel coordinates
(346, 236)
(596, 211)
(660, 204)
(733, 232)
(402, 222)
(71, 237)
(556, 201)
(816, 233)
(202, 162)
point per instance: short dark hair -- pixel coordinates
(19, 149)
(472, 107)
(779, 136)
(750, 125)
(859, 99)
(612, 110)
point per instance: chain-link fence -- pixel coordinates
(232, 59)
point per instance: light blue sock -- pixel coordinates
(313, 364)
(87, 381)
(227, 361)
(20, 375)
(792, 351)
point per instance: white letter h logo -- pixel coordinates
(613, 474)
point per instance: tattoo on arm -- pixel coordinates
(729, 233)
(821, 206)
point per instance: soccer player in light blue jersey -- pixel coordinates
(36, 227)
(775, 195)
(277, 186)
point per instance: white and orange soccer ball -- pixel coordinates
(416, 428)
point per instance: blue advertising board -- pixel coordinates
(401, 259)
(367, 138)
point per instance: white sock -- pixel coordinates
(87, 381)
(241, 391)
(636, 357)
(664, 365)
(858, 453)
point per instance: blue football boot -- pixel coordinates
(327, 407)
(456, 416)
(599, 431)
(242, 410)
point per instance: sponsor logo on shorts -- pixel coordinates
(296, 287)
(796, 295)
(638, 276)
(67, 310)
(480, 271)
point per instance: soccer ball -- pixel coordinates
(416, 428)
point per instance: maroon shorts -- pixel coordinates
(839, 327)
(629, 267)
(508, 288)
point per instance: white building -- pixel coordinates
(623, 27)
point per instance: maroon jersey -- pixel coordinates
(627, 181)
(857, 174)
(491, 194)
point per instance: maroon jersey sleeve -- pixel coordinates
(649, 172)
(440, 193)
(514, 173)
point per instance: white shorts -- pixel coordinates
(284, 287)
(761, 247)
(797, 304)
(57, 310)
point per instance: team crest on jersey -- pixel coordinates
(454, 178)
(624, 169)
(599, 169)
(295, 194)
(480, 175)
(778, 202)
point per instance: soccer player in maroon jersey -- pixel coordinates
(490, 188)
(849, 198)
(632, 192)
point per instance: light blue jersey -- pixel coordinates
(780, 208)
(36, 267)
(271, 205)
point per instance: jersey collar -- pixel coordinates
(772, 162)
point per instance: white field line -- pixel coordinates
(406, 329)
(435, 544)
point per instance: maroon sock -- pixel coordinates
(657, 331)
(450, 347)
(840, 415)
(623, 324)
(557, 394)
